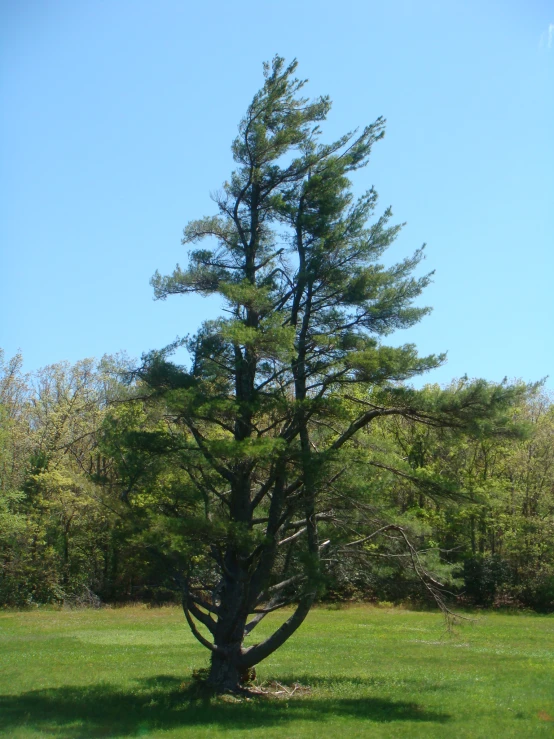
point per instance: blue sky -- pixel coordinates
(117, 122)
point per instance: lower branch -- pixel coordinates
(205, 642)
(259, 652)
(274, 605)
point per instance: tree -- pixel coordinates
(266, 428)
(501, 534)
(54, 525)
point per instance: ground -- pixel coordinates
(374, 672)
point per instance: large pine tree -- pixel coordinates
(270, 413)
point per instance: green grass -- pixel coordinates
(372, 672)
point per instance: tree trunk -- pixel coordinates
(226, 675)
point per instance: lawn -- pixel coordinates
(371, 672)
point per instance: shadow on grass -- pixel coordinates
(164, 702)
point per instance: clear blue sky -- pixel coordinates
(117, 118)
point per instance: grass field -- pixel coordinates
(372, 673)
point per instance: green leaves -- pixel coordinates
(277, 119)
(267, 340)
(381, 364)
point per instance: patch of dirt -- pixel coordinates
(274, 689)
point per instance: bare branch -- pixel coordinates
(197, 634)
(293, 537)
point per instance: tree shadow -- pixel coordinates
(164, 702)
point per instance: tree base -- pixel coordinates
(225, 677)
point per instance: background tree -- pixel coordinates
(114, 526)
(56, 527)
(266, 426)
(499, 535)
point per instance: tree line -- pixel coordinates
(86, 515)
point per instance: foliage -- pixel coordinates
(494, 533)
(55, 527)
(499, 532)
